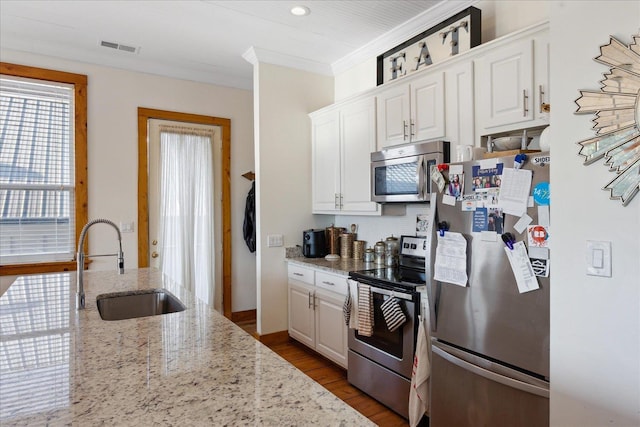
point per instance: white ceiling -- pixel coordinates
(204, 40)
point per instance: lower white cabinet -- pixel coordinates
(316, 319)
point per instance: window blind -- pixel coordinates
(37, 163)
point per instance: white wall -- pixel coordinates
(283, 97)
(113, 98)
(595, 322)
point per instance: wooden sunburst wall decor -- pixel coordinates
(617, 118)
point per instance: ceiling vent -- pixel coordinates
(118, 46)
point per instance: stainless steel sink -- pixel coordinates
(128, 305)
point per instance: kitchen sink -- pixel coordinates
(131, 304)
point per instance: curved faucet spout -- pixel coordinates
(80, 256)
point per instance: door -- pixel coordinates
(505, 79)
(468, 391)
(301, 315)
(183, 228)
(331, 331)
(224, 194)
(393, 116)
(326, 162)
(427, 107)
(358, 141)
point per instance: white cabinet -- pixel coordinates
(411, 111)
(459, 107)
(342, 141)
(315, 314)
(512, 84)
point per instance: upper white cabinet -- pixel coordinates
(411, 111)
(512, 84)
(342, 141)
(459, 107)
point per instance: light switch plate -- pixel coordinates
(126, 227)
(274, 240)
(598, 258)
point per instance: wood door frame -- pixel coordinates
(144, 114)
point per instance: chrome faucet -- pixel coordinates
(81, 256)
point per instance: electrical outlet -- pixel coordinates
(274, 240)
(126, 227)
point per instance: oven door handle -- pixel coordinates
(387, 292)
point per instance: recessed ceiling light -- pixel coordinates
(300, 10)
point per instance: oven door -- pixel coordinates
(393, 350)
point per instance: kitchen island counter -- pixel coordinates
(60, 366)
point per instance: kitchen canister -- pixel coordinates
(378, 253)
(333, 239)
(358, 249)
(368, 255)
(346, 245)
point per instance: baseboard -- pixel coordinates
(274, 338)
(243, 316)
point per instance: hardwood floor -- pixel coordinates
(333, 378)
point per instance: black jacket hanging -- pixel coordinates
(249, 227)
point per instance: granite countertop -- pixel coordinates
(60, 366)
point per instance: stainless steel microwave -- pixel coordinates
(402, 173)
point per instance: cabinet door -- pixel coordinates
(393, 116)
(301, 315)
(505, 80)
(427, 107)
(541, 75)
(325, 162)
(358, 140)
(331, 330)
(459, 107)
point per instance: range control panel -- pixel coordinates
(414, 246)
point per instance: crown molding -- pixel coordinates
(401, 33)
(256, 55)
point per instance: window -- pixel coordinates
(42, 168)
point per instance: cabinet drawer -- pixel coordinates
(331, 282)
(301, 274)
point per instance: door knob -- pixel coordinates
(154, 254)
(155, 242)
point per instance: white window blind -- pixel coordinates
(37, 181)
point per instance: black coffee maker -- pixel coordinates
(313, 243)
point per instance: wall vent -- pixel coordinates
(119, 46)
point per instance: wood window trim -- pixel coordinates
(79, 82)
(144, 114)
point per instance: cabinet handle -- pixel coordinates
(525, 110)
(314, 301)
(335, 200)
(309, 299)
(544, 107)
(341, 201)
(412, 133)
(298, 274)
(404, 129)
(329, 283)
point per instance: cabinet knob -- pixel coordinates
(154, 254)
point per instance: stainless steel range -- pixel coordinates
(381, 364)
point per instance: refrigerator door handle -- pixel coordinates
(492, 376)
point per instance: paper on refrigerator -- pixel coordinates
(522, 269)
(451, 259)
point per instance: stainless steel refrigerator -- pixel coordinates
(490, 342)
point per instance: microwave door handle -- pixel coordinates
(421, 178)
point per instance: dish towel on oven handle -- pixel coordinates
(365, 310)
(419, 392)
(392, 313)
(353, 291)
(348, 305)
